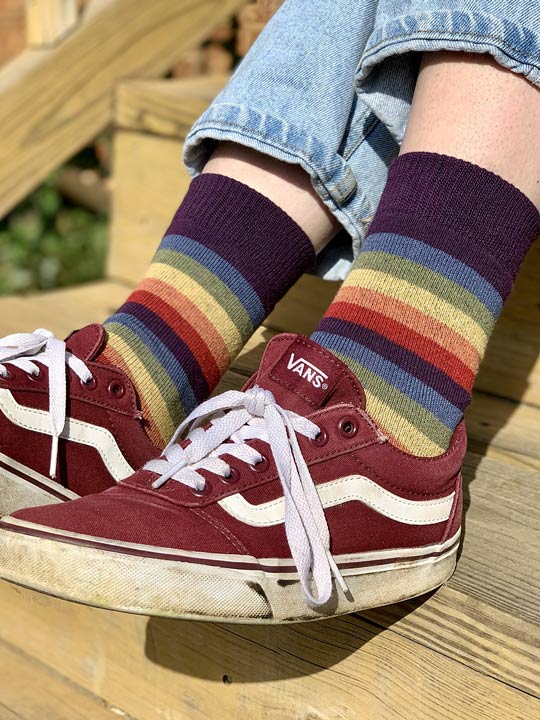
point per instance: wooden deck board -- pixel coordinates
(348, 667)
(61, 310)
(164, 107)
(141, 208)
(500, 560)
(31, 691)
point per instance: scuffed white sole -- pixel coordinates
(127, 582)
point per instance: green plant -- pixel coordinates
(49, 242)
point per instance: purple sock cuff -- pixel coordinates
(247, 230)
(491, 224)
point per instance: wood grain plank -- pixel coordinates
(497, 425)
(500, 561)
(31, 691)
(344, 668)
(47, 21)
(149, 183)
(61, 310)
(165, 107)
(44, 114)
(471, 633)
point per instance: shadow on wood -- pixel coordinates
(264, 653)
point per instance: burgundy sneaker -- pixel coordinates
(284, 503)
(69, 426)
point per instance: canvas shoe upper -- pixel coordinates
(69, 425)
(284, 503)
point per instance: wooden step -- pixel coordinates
(152, 119)
(61, 310)
(54, 101)
(29, 690)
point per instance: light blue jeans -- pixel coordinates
(329, 83)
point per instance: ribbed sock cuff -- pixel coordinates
(248, 230)
(488, 220)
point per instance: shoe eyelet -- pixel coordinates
(347, 427)
(262, 465)
(34, 377)
(7, 376)
(117, 389)
(232, 477)
(321, 439)
(204, 491)
(89, 384)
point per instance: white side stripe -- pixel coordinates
(76, 430)
(346, 489)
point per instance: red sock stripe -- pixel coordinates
(400, 334)
(183, 329)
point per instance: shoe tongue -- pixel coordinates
(303, 376)
(86, 342)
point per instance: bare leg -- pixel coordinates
(287, 185)
(469, 107)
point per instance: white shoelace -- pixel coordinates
(24, 350)
(241, 416)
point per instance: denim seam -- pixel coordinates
(500, 45)
(491, 19)
(223, 124)
(373, 122)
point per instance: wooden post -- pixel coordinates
(47, 21)
(12, 29)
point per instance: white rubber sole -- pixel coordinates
(21, 487)
(122, 580)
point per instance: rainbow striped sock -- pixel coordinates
(228, 256)
(413, 318)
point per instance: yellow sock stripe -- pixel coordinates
(422, 300)
(157, 411)
(412, 318)
(430, 280)
(402, 412)
(205, 301)
(404, 434)
(222, 294)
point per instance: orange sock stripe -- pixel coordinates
(412, 318)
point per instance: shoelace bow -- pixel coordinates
(236, 418)
(24, 350)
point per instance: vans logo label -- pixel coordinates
(308, 371)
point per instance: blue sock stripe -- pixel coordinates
(223, 270)
(447, 413)
(439, 261)
(160, 352)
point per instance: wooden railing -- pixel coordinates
(54, 99)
